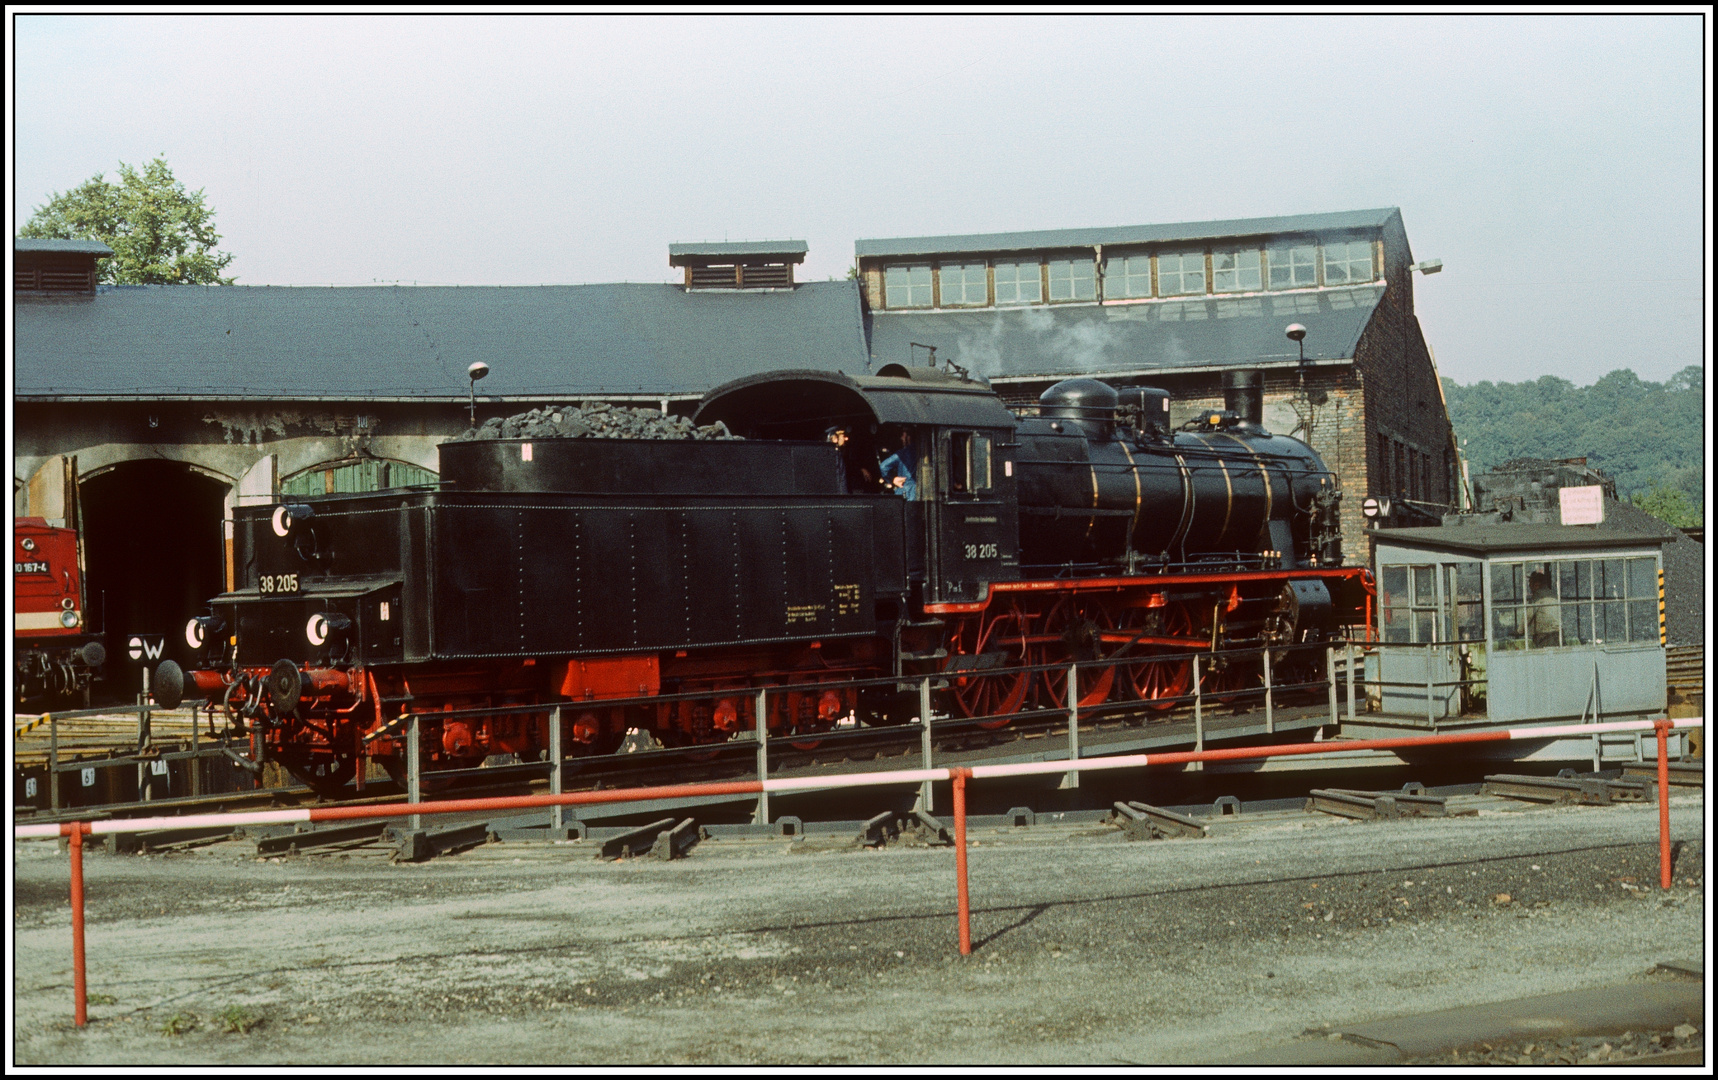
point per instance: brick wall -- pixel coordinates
(1407, 428)
(872, 276)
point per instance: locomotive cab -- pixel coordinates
(940, 444)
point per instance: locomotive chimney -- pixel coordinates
(1244, 395)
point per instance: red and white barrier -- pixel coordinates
(77, 830)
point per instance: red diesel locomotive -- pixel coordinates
(55, 658)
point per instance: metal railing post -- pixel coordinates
(143, 714)
(1661, 728)
(1198, 715)
(80, 984)
(1431, 721)
(145, 785)
(1270, 710)
(414, 769)
(962, 901)
(1330, 676)
(1598, 718)
(557, 783)
(1349, 646)
(196, 756)
(925, 803)
(763, 732)
(1072, 780)
(53, 762)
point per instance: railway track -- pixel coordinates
(1685, 672)
(109, 733)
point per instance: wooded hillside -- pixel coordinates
(1650, 437)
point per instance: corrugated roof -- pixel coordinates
(909, 246)
(303, 343)
(37, 246)
(1115, 339)
(741, 248)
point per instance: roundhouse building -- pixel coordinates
(150, 411)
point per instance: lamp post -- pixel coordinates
(474, 373)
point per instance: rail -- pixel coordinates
(959, 776)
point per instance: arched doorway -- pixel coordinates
(153, 557)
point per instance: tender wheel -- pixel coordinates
(999, 689)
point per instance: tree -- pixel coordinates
(160, 233)
(1670, 506)
(1647, 436)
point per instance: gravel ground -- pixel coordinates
(1585, 1050)
(1088, 949)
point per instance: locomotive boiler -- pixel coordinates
(577, 572)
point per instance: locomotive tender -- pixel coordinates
(578, 571)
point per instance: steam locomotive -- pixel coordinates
(579, 571)
(54, 657)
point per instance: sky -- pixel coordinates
(1556, 164)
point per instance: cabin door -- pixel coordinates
(974, 533)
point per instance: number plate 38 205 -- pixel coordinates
(275, 584)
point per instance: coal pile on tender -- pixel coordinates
(595, 420)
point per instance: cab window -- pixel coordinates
(969, 463)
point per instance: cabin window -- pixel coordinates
(969, 463)
(1410, 603)
(1464, 592)
(1551, 603)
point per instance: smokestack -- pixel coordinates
(1244, 395)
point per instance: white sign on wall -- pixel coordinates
(1582, 505)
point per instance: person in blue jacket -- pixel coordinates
(900, 469)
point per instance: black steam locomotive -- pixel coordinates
(578, 571)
